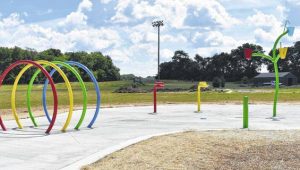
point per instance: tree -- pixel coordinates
(102, 66)
(291, 63)
(232, 66)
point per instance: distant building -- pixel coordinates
(285, 78)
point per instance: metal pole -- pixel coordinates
(158, 24)
(276, 89)
(198, 96)
(154, 98)
(158, 73)
(275, 60)
(245, 112)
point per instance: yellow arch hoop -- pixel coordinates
(67, 82)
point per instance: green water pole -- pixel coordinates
(245, 112)
(274, 59)
(276, 89)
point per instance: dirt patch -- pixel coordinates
(240, 149)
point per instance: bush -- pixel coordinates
(129, 89)
(216, 82)
(245, 80)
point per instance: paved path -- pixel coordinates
(30, 148)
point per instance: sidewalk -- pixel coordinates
(30, 148)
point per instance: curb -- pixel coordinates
(101, 154)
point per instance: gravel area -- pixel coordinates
(224, 149)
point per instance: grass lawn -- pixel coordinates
(236, 149)
(110, 98)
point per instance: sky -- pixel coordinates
(122, 29)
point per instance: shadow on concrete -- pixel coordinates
(36, 132)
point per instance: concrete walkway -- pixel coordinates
(30, 148)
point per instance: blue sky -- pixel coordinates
(123, 30)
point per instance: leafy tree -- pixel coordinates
(231, 66)
(101, 65)
(291, 63)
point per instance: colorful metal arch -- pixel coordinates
(82, 85)
(67, 82)
(55, 98)
(96, 86)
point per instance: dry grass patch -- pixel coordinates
(240, 149)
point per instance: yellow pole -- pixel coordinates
(204, 85)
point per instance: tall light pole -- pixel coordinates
(158, 24)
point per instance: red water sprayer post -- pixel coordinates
(157, 85)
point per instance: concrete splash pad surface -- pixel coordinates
(30, 148)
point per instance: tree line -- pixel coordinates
(230, 66)
(101, 65)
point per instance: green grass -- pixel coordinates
(110, 98)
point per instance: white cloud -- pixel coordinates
(93, 39)
(14, 32)
(167, 54)
(75, 18)
(105, 1)
(210, 51)
(136, 37)
(218, 13)
(248, 4)
(196, 36)
(173, 11)
(282, 11)
(120, 17)
(216, 38)
(173, 39)
(78, 17)
(205, 27)
(261, 19)
(151, 37)
(11, 21)
(143, 36)
(119, 55)
(85, 5)
(25, 14)
(267, 26)
(264, 36)
(296, 2)
(139, 68)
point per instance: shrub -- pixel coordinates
(216, 82)
(245, 80)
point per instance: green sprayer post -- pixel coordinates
(274, 59)
(245, 112)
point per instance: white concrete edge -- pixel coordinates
(101, 154)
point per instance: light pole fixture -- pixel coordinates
(158, 24)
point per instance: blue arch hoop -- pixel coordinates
(97, 89)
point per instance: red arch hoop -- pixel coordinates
(20, 62)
